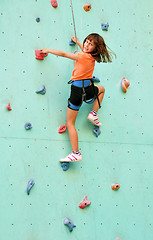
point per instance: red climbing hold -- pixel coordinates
(84, 203)
(87, 7)
(62, 129)
(115, 186)
(54, 3)
(40, 55)
(125, 84)
(9, 107)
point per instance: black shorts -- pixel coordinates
(75, 100)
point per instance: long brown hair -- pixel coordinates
(101, 52)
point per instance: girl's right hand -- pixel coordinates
(44, 50)
(74, 39)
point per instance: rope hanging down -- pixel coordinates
(74, 24)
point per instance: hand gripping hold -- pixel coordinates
(72, 43)
(84, 203)
(39, 55)
(125, 84)
(69, 223)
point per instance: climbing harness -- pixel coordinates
(74, 25)
(83, 84)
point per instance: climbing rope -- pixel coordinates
(74, 24)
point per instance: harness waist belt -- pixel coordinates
(79, 83)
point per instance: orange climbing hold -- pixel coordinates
(125, 84)
(87, 7)
(9, 107)
(115, 186)
(54, 3)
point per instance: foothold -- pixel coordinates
(115, 186)
(42, 91)
(62, 129)
(39, 55)
(96, 131)
(28, 126)
(125, 84)
(72, 43)
(95, 79)
(54, 3)
(9, 107)
(84, 203)
(104, 26)
(69, 223)
(65, 166)
(87, 7)
(30, 185)
(37, 19)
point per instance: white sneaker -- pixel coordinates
(94, 119)
(72, 157)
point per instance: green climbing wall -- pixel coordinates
(123, 152)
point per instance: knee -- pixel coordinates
(69, 124)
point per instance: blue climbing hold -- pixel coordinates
(28, 126)
(37, 19)
(65, 166)
(104, 26)
(96, 131)
(30, 185)
(69, 223)
(42, 91)
(72, 43)
(95, 79)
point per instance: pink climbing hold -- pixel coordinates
(125, 84)
(84, 203)
(39, 55)
(54, 3)
(9, 107)
(62, 129)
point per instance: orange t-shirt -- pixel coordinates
(84, 67)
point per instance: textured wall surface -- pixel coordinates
(123, 152)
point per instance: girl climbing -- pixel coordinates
(82, 88)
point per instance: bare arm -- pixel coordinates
(60, 53)
(79, 44)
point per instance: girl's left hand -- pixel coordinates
(44, 50)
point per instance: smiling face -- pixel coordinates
(88, 46)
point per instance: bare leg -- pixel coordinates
(100, 96)
(70, 123)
